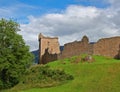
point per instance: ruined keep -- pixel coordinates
(49, 49)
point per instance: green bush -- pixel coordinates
(44, 76)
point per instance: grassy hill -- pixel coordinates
(102, 75)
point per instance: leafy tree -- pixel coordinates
(14, 54)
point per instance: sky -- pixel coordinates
(69, 20)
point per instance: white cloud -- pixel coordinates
(114, 2)
(72, 24)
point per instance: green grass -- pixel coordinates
(102, 75)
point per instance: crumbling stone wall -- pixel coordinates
(76, 48)
(109, 47)
(48, 57)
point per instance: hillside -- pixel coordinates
(36, 54)
(102, 75)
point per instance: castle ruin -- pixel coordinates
(49, 48)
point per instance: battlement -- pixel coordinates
(41, 36)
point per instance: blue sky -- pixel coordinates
(23, 8)
(67, 19)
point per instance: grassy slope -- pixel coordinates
(103, 75)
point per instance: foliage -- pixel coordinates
(14, 54)
(44, 76)
(41, 76)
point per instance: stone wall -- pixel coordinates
(48, 57)
(109, 47)
(76, 48)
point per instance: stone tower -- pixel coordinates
(48, 49)
(85, 39)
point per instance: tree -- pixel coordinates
(14, 54)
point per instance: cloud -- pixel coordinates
(114, 2)
(73, 23)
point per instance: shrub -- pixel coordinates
(44, 76)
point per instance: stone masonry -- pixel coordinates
(75, 48)
(49, 48)
(109, 47)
